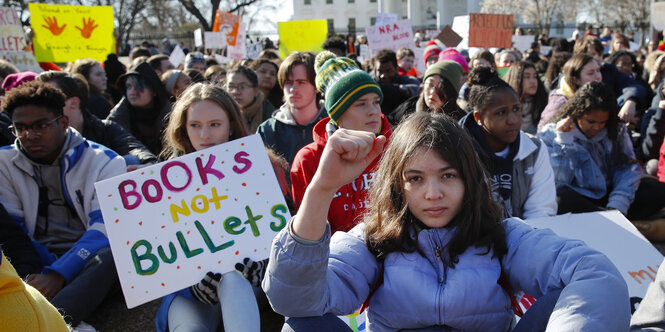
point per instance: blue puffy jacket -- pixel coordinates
(419, 291)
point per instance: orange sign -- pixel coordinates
(490, 30)
(227, 23)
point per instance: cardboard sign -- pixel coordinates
(612, 234)
(253, 50)
(228, 24)
(305, 36)
(658, 15)
(67, 33)
(523, 43)
(449, 37)
(214, 40)
(170, 223)
(177, 56)
(238, 50)
(198, 38)
(392, 36)
(13, 47)
(383, 18)
(490, 30)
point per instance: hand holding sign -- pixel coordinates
(87, 28)
(52, 25)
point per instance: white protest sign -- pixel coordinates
(612, 234)
(253, 50)
(383, 18)
(545, 49)
(238, 50)
(523, 43)
(198, 38)
(461, 27)
(418, 55)
(356, 321)
(222, 59)
(658, 15)
(364, 53)
(392, 36)
(432, 33)
(170, 223)
(177, 56)
(13, 47)
(214, 40)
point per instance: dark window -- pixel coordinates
(372, 1)
(331, 25)
(308, 2)
(352, 1)
(372, 21)
(329, 2)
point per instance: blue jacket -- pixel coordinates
(586, 166)
(419, 291)
(82, 164)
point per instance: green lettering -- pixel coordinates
(282, 220)
(231, 223)
(208, 241)
(179, 209)
(185, 247)
(162, 255)
(251, 220)
(147, 256)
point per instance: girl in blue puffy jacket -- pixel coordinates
(432, 247)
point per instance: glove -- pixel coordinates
(253, 271)
(206, 290)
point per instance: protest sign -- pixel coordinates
(238, 50)
(67, 33)
(253, 50)
(523, 43)
(13, 47)
(658, 15)
(612, 234)
(356, 321)
(418, 55)
(449, 37)
(461, 27)
(228, 24)
(392, 36)
(198, 38)
(490, 30)
(177, 56)
(383, 18)
(170, 223)
(364, 53)
(214, 40)
(431, 33)
(222, 59)
(305, 36)
(545, 49)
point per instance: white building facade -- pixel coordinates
(345, 15)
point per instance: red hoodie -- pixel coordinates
(350, 200)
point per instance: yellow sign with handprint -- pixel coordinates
(66, 33)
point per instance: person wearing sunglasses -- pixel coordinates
(48, 178)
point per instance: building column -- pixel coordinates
(439, 14)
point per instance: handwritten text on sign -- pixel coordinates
(170, 223)
(394, 36)
(13, 47)
(490, 30)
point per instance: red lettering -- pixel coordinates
(124, 194)
(382, 30)
(388, 29)
(207, 169)
(165, 178)
(145, 189)
(240, 158)
(395, 26)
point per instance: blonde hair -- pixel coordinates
(176, 141)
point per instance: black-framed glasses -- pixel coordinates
(38, 128)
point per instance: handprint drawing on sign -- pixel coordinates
(52, 25)
(87, 28)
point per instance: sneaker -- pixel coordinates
(84, 327)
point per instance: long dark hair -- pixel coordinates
(388, 220)
(448, 95)
(515, 76)
(594, 96)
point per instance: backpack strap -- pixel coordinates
(503, 282)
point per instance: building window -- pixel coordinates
(308, 2)
(372, 1)
(352, 1)
(329, 2)
(352, 24)
(331, 25)
(372, 20)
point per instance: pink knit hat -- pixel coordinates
(453, 55)
(16, 80)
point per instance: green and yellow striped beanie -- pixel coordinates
(341, 82)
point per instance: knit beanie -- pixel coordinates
(453, 55)
(431, 49)
(342, 83)
(450, 70)
(16, 80)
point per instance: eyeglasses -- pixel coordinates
(37, 129)
(429, 84)
(239, 87)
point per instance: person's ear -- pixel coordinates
(74, 102)
(65, 122)
(476, 116)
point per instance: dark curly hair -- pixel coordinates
(484, 81)
(37, 94)
(614, 57)
(594, 96)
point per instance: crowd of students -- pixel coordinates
(408, 188)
